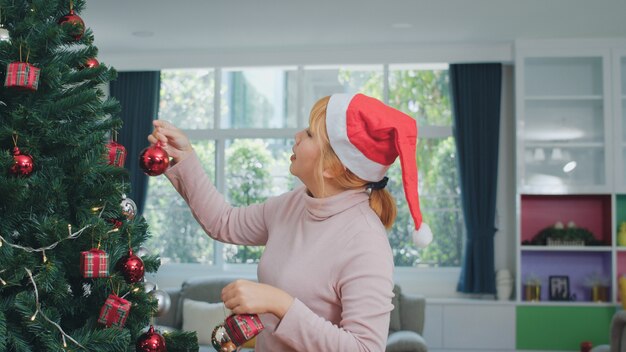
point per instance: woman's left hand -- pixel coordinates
(247, 297)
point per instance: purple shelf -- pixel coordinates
(578, 265)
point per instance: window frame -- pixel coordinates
(170, 272)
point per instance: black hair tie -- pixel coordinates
(378, 185)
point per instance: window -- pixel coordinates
(245, 147)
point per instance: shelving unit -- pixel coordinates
(571, 167)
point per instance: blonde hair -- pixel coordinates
(381, 200)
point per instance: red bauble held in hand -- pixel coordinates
(22, 164)
(151, 341)
(131, 267)
(154, 160)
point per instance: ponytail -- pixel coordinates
(383, 204)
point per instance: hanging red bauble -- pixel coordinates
(150, 341)
(154, 160)
(116, 223)
(92, 63)
(76, 24)
(117, 153)
(22, 164)
(131, 267)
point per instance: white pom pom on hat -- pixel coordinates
(368, 136)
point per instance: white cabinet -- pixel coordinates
(571, 167)
(564, 122)
(462, 324)
(619, 111)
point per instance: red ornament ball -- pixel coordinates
(22, 164)
(92, 63)
(150, 341)
(131, 267)
(75, 23)
(154, 160)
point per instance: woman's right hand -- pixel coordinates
(173, 140)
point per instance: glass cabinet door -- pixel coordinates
(620, 116)
(562, 130)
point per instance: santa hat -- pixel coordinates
(367, 136)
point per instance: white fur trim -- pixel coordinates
(349, 155)
(423, 236)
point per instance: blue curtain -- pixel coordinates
(138, 94)
(476, 90)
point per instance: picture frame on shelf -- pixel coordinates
(559, 288)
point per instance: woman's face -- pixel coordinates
(305, 158)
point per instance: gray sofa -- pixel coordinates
(618, 332)
(406, 326)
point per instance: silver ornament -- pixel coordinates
(163, 301)
(4, 34)
(129, 208)
(141, 252)
(149, 286)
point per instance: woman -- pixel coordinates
(326, 274)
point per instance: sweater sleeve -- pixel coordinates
(243, 225)
(365, 287)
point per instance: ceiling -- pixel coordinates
(153, 26)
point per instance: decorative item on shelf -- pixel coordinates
(599, 286)
(75, 24)
(621, 235)
(114, 312)
(532, 288)
(586, 346)
(622, 290)
(94, 263)
(504, 284)
(559, 288)
(154, 160)
(235, 331)
(150, 341)
(558, 235)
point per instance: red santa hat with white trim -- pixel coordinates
(367, 136)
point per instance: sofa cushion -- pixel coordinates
(203, 317)
(405, 341)
(394, 323)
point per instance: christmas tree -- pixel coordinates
(71, 262)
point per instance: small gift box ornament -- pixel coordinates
(236, 330)
(22, 75)
(114, 312)
(94, 263)
(117, 153)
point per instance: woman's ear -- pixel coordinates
(329, 174)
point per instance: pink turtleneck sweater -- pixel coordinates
(331, 254)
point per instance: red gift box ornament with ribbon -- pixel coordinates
(117, 153)
(238, 329)
(114, 312)
(94, 263)
(22, 75)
